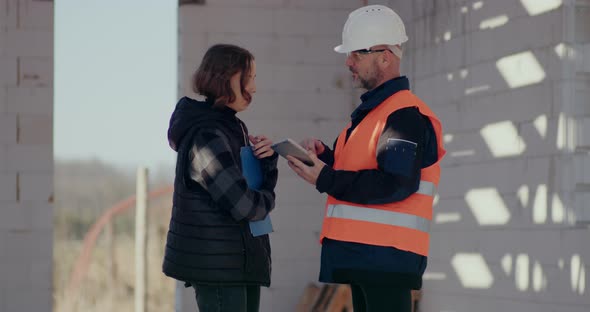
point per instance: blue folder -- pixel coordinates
(252, 171)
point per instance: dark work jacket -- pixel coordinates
(209, 240)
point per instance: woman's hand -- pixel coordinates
(261, 146)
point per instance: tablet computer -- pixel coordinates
(290, 147)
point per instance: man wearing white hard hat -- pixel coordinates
(381, 175)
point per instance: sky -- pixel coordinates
(115, 80)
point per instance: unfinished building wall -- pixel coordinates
(510, 82)
(26, 155)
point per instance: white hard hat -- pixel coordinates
(370, 26)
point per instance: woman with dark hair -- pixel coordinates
(210, 244)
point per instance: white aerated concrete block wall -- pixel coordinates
(510, 81)
(26, 155)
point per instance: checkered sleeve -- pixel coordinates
(216, 169)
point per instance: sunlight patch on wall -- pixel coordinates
(463, 73)
(463, 153)
(472, 270)
(565, 132)
(536, 7)
(540, 205)
(541, 125)
(493, 22)
(476, 89)
(447, 217)
(434, 276)
(539, 278)
(523, 195)
(578, 274)
(520, 69)
(448, 138)
(507, 264)
(557, 209)
(502, 139)
(447, 36)
(565, 51)
(521, 272)
(561, 264)
(561, 131)
(487, 206)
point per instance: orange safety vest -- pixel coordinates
(404, 224)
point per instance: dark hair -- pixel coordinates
(219, 64)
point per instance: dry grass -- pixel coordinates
(112, 289)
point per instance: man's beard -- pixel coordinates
(366, 83)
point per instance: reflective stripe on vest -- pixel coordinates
(378, 216)
(426, 188)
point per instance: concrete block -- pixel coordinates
(236, 20)
(521, 34)
(41, 214)
(18, 272)
(291, 272)
(581, 204)
(36, 186)
(3, 39)
(522, 104)
(3, 101)
(582, 24)
(9, 14)
(300, 106)
(29, 43)
(294, 50)
(586, 56)
(311, 78)
(247, 3)
(13, 300)
(581, 106)
(320, 51)
(297, 22)
(284, 297)
(581, 163)
(36, 15)
(8, 128)
(30, 100)
(36, 72)
(35, 129)
(449, 115)
(29, 158)
(15, 217)
(583, 133)
(539, 140)
(466, 148)
(512, 172)
(286, 245)
(7, 186)
(326, 4)
(331, 23)
(192, 46)
(8, 71)
(289, 218)
(262, 46)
